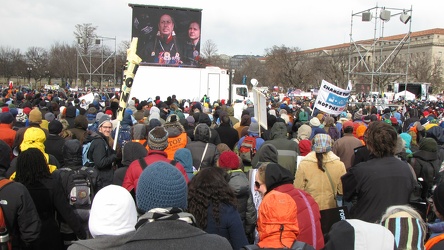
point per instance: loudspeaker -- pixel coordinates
(404, 17)
(385, 15)
(366, 16)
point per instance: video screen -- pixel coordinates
(167, 35)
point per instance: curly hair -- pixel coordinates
(209, 187)
(381, 139)
(31, 167)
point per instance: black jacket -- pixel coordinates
(53, 146)
(22, 220)
(378, 183)
(228, 135)
(102, 156)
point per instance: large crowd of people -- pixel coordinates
(191, 175)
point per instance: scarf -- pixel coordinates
(171, 213)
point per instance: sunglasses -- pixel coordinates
(257, 184)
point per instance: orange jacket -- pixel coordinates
(175, 143)
(277, 222)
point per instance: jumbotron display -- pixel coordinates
(167, 35)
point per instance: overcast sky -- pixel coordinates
(236, 27)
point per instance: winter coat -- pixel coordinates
(309, 218)
(316, 182)
(377, 183)
(229, 227)
(80, 126)
(135, 170)
(288, 150)
(53, 146)
(245, 206)
(228, 135)
(21, 216)
(102, 156)
(202, 135)
(344, 149)
(174, 234)
(266, 153)
(277, 221)
(49, 198)
(7, 134)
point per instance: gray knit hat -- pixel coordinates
(161, 185)
(158, 138)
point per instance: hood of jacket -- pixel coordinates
(5, 155)
(279, 130)
(436, 133)
(204, 118)
(276, 175)
(202, 133)
(183, 155)
(81, 122)
(132, 151)
(174, 128)
(230, 111)
(111, 216)
(304, 132)
(71, 112)
(266, 153)
(72, 153)
(277, 221)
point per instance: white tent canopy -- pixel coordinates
(405, 94)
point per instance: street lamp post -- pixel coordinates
(29, 69)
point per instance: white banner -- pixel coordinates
(331, 99)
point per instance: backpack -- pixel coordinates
(247, 150)
(124, 135)
(303, 116)
(5, 235)
(80, 186)
(85, 160)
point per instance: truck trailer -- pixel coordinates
(186, 83)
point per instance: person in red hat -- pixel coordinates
(238, 181)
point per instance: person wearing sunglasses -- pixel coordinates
(273, 177)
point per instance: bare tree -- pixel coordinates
(252, 68)
(11, 63)
(285, 66)
(38, 58)
(62, 62)
(85, 35)
(209, 51)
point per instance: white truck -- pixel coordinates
(186, 83)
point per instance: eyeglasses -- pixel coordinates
(257, 185)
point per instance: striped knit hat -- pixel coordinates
(407, 231)
(158, 138)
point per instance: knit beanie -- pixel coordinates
(229, 159)
(161, 185)
(49, 117)
(55, 127)
(103, 119)
(428, 144)
(27, 110)
(322, 143)
(6, 118)
(21, 117)
(438, 198)
(314, 122)
(158, 138)
(407, 231)
(91, 114)
(254, 128)
(304, 147)
(35, 116)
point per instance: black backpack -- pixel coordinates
(80, 186)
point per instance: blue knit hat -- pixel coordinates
(161, 185)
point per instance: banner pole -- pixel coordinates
(131, 66)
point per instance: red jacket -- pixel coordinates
(7, 134)
(135, 170)
(309, 217)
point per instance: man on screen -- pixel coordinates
(165, 49)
